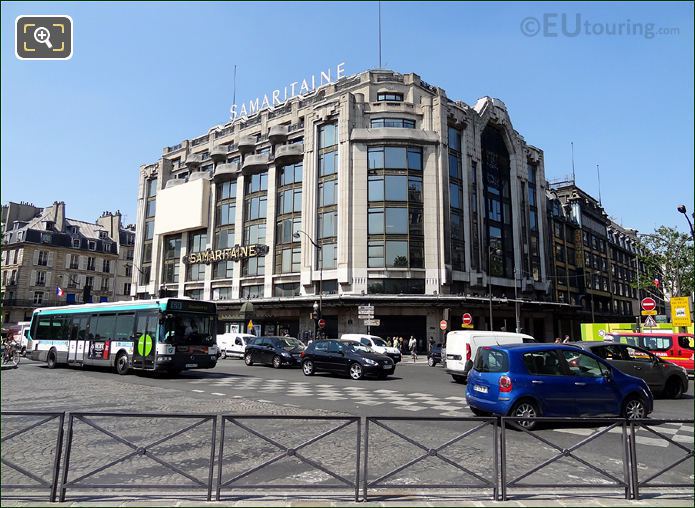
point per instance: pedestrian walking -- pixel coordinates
(430, 345)
(558, 340)
(412, 345)
(388, 341)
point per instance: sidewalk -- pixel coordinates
(521, 500)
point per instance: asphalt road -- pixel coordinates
(415, 390)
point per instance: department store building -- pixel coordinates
(373, 189)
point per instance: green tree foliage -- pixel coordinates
(668, 254)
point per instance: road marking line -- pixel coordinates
(216, 393)
(199, 391)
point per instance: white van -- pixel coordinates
(462, 345)
(376, 343)
(21, 336)
(233, 344)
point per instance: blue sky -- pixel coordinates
(147, 75)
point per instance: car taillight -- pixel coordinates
(468, 352)
(505, 384)
(301, 355)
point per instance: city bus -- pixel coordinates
(164, 334)
(673, 347)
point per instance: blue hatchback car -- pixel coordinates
(529, 380)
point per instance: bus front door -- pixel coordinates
(76, 346)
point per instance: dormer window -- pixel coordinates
(76, 243)
(103, 234)
(46, 237)
(48, 225)
(74, 230)
(106, 247)
(92, 245)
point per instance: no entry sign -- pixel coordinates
(467, 319)
(648, 304)
(442, 324)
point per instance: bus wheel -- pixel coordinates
(51, 361)
(122, 364)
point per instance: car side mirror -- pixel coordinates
(607, 375)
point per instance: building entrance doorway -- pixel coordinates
(403, 326)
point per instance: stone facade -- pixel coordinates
(417, 204)
(43, 250)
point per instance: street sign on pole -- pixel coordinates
(649, 313)
(680, 311)
(466, 320)
(365, 309)
(648, 303)
(372, 322)
(442, 325)
(322, 323)
(649, 322)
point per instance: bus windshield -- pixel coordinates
(187, 328)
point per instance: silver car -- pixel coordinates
(663, 377)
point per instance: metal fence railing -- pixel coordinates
(284, 450)
(148, 450)
(439, 452)
(186, 448)
(40, 483)
(607, 424)
(649, 426)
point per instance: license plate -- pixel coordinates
(388, 367)
(191, 365)
(481, 389)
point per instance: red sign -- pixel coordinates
(467, 319)
(442, 324)
(322, 323)
(648, 304)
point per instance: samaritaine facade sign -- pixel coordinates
(294, 89)
(236, 253)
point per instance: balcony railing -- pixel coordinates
(199, 140)
(19, 302)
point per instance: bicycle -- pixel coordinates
(10, 353)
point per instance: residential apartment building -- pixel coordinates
(373, 189)
(593, 261)
(43, 250)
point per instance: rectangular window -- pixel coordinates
(395, 157)
(254, 233)
(252, 291)
(455, 195)
(415, 158)
(222, 294)
(328, 224)
(40, 278)
(126, 288)
(396, 221)
(151, 208)
(257, 183)
(224, 270)
(396, 254)
(226, 214)
(327, 193)
(196, 272)
(149, 233)
(376, 221)
(375, 254)
(226, 190)
(104, 284)
(38, 297)
(253, 266)
(285, 290)
(256, 208)
(375, 158)
(106, 266)
(43, 258)
(396, 187)
(328, 135)
(151, 187)
(415, 189)
(454, 166)
(389, 97)
(197, 241)
(224, 238)
(402, 123)
(328, 163)
(329, 256)
(375, 188)
(91, 263)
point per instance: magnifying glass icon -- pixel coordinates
(43, 36)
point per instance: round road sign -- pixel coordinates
(322, 323)
(442, 324)
(648, 303)
(467, 319)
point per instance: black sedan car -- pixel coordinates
(275, 351)
(663, 377)
(345, 357)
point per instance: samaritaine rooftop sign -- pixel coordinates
(295, 89)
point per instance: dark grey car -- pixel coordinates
(664, 378)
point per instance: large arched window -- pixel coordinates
(498, 202)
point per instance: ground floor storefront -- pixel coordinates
(399, 316)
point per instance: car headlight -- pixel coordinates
(370, 362)
(286, 354)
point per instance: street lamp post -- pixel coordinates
(516, 305)
(320, 259)
(682, 210)
(489, 277)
